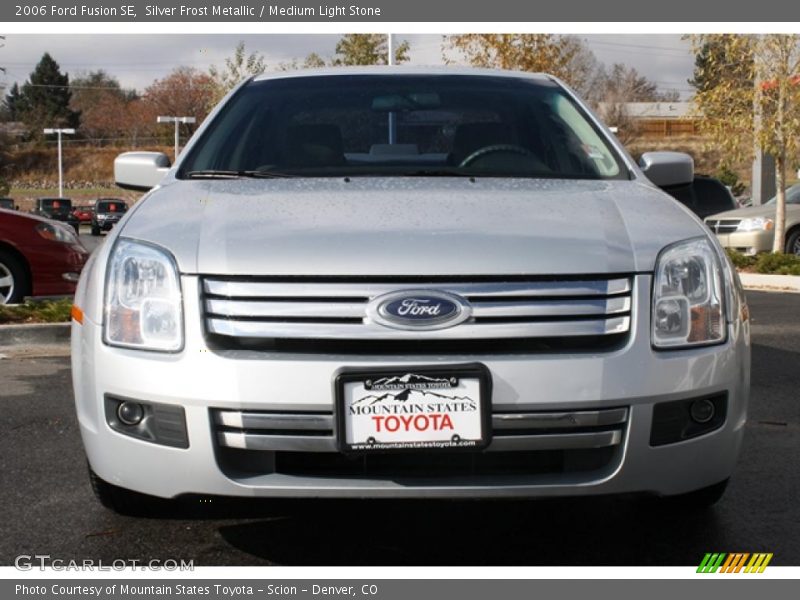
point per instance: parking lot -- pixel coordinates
(48, 507)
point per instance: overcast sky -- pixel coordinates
(136, 60)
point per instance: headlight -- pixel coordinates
(143, 298)
(687, 296)
(56, 233)
(755, 224)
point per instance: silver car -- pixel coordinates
(393, 282)
(750, 230)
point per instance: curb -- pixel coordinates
(35, 334)
(770, 283)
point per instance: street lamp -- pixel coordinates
(59, 132)
(177, 121)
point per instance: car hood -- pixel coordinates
(410, 226)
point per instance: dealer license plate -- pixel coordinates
(414, 408)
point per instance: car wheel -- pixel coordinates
(793, 242)
(14, 282)
(125, 502)
(95, 230)
(697, 500)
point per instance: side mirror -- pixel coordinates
(140, 170)
(666, 169)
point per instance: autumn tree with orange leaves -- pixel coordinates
(186, 92)
(753, 98)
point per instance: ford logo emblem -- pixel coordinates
(419, 309)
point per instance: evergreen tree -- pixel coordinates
(44, 100)
(11, 104)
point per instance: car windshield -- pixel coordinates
(111, 206)
(792, 196)
(56, 206)
(417, 125)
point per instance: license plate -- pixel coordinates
(410, 408)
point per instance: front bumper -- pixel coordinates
(55, 272)
(107, 224)
(200, 380)
(750, 242)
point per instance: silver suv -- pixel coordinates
(390, 282)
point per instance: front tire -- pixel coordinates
(95, 230)
(14, 281)
(793, 242)
(122, 501)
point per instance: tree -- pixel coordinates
(583, 69)
(237, 67)
(11, 104)
(183, 93)
(614, 88)
(626, 84)
(534, 52)
(313, 61)
(44, 99)
(712, 64)
(739, 117)
(366, 49)
(102, 103)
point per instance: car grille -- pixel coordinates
(723, 225)
(315, 432)
(329, 315)
(304, 443)
(523, 443)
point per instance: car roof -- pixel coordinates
(404, 70)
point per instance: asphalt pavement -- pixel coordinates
(90, 242)
(47, 507)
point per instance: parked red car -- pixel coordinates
(83, 214)
(38, 257)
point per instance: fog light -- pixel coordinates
(130, 413)
(702, 411)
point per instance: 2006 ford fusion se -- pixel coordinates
(394, 282)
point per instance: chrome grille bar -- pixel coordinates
(371, 331)
(559, 420)
(314, 432)
(308, 310)
(275, 421)
(508, 289)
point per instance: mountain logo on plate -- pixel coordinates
(419, 310)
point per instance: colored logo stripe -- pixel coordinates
(758, 563)
(734, 562)
(711, 562)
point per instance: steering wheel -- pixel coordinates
(494, 149)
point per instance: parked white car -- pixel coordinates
(393, 282)
(751, 230)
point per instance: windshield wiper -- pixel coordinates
(232, 174)
(437, 173)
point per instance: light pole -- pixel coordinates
(59, 132)
(177, 121)
(392, 115)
